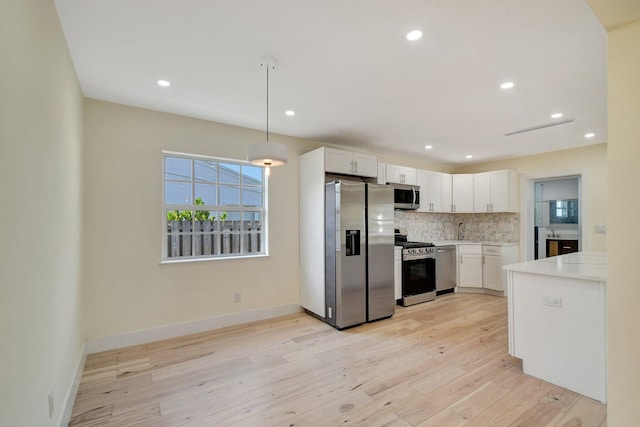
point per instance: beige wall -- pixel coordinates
(40, 192)
(623, 295)
(590, 161)
(127, 289)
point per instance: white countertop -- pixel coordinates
(588, 265)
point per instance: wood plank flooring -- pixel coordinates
(441, 363)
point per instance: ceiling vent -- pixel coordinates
(546, 125)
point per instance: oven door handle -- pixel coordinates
(413, 257)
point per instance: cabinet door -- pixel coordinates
(338, 161)
(470, 271)
(435, 191)
(482, 192)
(409, 176)
(365, 165)
(500, 191)
(430, 190)
(382, 173)
(423, 180)
(492, 273)
(462, 193)
(394, 174)
(447, 192)
(401, 175)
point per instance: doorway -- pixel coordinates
(553, 214)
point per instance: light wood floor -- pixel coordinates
(441, 363)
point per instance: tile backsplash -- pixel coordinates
(484, 227)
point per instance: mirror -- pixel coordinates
(563, 211)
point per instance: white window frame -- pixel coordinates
(263, 233)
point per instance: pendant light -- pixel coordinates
(267, 154)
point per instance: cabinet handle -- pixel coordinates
(566, 247)
(487, 207)
(355, 166)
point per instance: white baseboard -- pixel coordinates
(70, 398)
(97, 345)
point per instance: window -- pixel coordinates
(213, 208)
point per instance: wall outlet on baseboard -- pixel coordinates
(600, 229)
(237, 296)
(51, 407)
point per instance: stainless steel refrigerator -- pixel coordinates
(359, 253)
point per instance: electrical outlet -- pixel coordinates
(237, 296)
(552, 301)
(51, 407)
(600, 229)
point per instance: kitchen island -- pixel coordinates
(557, 320)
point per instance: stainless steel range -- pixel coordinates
(418, 271)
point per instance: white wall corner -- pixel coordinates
(70, 398)
(97, 345)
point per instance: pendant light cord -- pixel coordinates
(267, 103)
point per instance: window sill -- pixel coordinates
(231, 257)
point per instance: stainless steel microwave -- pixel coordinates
(406, 196)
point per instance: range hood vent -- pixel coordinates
(546, 125)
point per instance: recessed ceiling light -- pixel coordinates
(469, 156)
(164, 83)
(556, 115)
(428, 147)
(290, 113)
(414, 35)
(507, 85)
(589, 135)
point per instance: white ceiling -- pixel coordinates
(347, 70)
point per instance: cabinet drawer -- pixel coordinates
(491, 250)
(470, 249)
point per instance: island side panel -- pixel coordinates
(557, 327)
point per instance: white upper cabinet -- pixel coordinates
(431, 197)
(447, 192)
(366, 165)
(401, 175)
(462, 193)
(348, 163)
(382, 173)
(482, 192)
(496, 191)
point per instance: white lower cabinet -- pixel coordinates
(397, 272)
(494, 258)
(470, 265)
(492, 272)
(480, 265)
